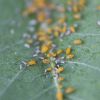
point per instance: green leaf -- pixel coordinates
(83, 72)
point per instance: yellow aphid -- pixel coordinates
(29, 10)
(51, 54)
(77, 16)
(56, 33)
(46, 61)
(62, 20)
(41, 17)
(98, 7)
(49, 21)
(59, 95)
(70, 90)
(75, 9)
(49, 30)
(31, 62)
(49, 69)
(77, 42)
(60, 69)
(72, 29)
(70, 56)
(64, 29)
(44, 48)
(60, 79)
(59, 52)
(68, 51)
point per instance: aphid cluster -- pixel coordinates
(44, 28)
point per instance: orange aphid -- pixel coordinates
(31, 62)
(77, 16)
(77, 42)
(64, 29)
(70, 56)
(59, 95)
(60, 69)
(60, 79)
(49, 69)
(44, 48)
(70, 90)
(72, 29)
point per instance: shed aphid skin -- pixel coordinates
(77, 42)
(69, 90)
(98, 22)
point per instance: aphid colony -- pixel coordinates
(45, 28)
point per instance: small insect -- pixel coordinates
(31, 62)
(72, 29)
(44, 49)
(68, 50)
(77, 42)
(48, 69)
(60, 79)
(59, 52)
(98, 7)
(77, 16)
(59, 95)
(46, 61)
(70, 56)
(70, 90)
(60, 69)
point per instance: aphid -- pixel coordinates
(70, 90)
(49, 30)
(68, 51)
(98, 7)
(59, 52)
(75, 9)
(60, 69)
(46, 61)
(64, 29)
(44, 48)
(77, 42)
(49, 21)
(31, 62)
(48, 69)
(59, 95)
(56, 33)
(72, 29)
(51, 54)
(60, 79)
(77, 16)
(70, 56)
